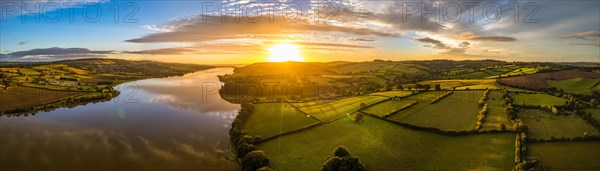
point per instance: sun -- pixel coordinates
(284, 52)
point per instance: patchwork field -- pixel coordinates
(340, 108)
(381, 145)
(546, 125)
(388, 107)
(537, 99)
(574, 85)
(18, 96)
(567, 155)
(29, 72)
(538, 81)
(270, 119)
(455, 112)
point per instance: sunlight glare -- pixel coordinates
(284, 52)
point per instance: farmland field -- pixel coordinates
(29, 72)
(496, 113)
(394, 93)
(473, 75)
(455, 112)
(270, 119)
(545, 125)
(16, 97)
(567, 155)
(382, 145)
(340, 108)
(388, 107)
(538, 81)
(574, 85)
(449, 84)
(595, 113)
(537, 99)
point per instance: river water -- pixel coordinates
(175, 123)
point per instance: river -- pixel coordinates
(175, 123)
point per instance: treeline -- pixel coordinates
(481, 116)
(484, 97)
(244, 144)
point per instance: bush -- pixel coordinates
(255, 160)
(342, 160)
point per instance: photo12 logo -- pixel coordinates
(70, 11)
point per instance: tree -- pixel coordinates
(342, 160)
(437, 87)
(255, 160)
(399, 87)
(358, 117)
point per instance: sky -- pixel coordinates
(243, 32)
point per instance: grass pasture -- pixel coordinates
(496, 113)
(537, 99)
(381, 145)
(455, 112)
(18, 96)
(340, 108)
(545, 125)
(472, 75)
(574, 85)
(450, 84)
(388, 107)
(29, 72)
(567, 155)
(595, 113)
(270, 119)
(393, 93)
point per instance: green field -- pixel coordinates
(455, 112)
(521, 71)
(381, 145)
(393, 93)
(458, 84)
(270, 119)
(537, 99)
(567, 155)
(337, 109)
(595, 113)
(18, 97)
(545, 125)
(29, 72)
(496, 112)
(472, 75)
(388, 107)
(574, 85)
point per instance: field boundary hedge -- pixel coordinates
(439, 131)
(291, 132)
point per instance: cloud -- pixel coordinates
(164, 51)
(23, 43)
(436, 43)
(464, 44)
(200, 30)
(596, 43)
(53, 53)
(582, 35)
(471, 36)
(361, 39)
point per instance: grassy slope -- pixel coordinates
(455, 112)
(595, 113)
(545, 125)
(574, 85)
(340, 108)
(270, 119)
(381, 145)
(386, 107)
(538, 99)
(567, 155)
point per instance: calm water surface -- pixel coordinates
(177, 123)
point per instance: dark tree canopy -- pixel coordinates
(342, 160)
